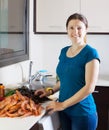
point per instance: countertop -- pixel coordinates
(27, 122)
(52, 81)
(18, 123)
(103, 82)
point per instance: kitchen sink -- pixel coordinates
(36, 84)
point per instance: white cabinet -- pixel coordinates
(51, 15)
(51, 122)
(97, 14)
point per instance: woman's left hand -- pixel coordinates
(54, 106)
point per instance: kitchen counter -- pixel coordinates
(103, 82)
(18, 123)
(50, 122)
(28, 123)
(31, 122)
(50, 82)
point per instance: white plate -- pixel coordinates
(19, 123)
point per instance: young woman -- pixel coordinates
(78, 70)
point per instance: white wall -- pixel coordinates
(44, 52)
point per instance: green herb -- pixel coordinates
(10, 92)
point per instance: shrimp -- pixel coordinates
(8, 106)
(32, 105)
(15, 96)
(20, 96)
(28, 107)
(3, 115)
(40, 108)
(21, 112)
(15, 108)
(23, 105)
(5, 102)
(18, 105)
(16, 114)
(27, 114)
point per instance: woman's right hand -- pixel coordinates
(41, 92)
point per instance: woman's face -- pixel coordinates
(76, 31)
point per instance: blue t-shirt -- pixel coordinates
(71, 72)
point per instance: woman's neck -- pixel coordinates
(76, 46)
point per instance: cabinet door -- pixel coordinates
(51, 15)
(101, 96)
(97, 14)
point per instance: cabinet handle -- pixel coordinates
(96, 91)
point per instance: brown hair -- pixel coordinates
(79, 17)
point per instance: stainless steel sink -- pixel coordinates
(35, 84)
(48, 82)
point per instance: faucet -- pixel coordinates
(30, 76)
(38, 75)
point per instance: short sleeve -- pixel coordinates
(63, 53)
(92, 54)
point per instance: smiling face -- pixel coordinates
(76, 30)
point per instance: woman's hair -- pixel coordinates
(79, 17)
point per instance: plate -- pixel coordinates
(19, 123)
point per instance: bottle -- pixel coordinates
(2, 91)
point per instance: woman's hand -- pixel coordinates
(41, 92)
(54, 106)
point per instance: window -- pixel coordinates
(14, 31)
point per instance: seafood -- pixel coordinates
(27, 114)
(3, 103)
(12, 114)
(18, 105)
(14, 108)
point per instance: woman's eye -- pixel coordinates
(71, 28)
(79, 28)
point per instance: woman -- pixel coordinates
(78, 70)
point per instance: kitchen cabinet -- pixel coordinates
(48, 123)
(50, 15)
(101, 96)
(96, 13)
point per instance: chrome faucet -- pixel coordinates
(30, 69)
(37, 76)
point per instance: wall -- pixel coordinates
(44, 52)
